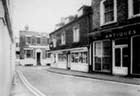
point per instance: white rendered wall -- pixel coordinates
(6, 60)
(6, 57)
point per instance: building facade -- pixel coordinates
(115, 37)
(34, 47)
(69, 43)
(17, 51)
(7, 55)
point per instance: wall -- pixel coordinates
(6, 56)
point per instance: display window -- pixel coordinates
(79, 57)
(102, 55)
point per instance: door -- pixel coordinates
(68, 61)
(121, 60)
(38, 59)
(136, 55)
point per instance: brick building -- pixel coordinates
(69, 45)
(34, 47)
(115, 37)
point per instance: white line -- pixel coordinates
(35, 91)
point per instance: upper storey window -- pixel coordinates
(63, 39)
(38, 40)
(108, 9)
(76, 33)
(28, 40)
(134, 8)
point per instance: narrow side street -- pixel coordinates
(53, 84)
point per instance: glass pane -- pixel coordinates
(125, 57)
(118, 57)
(106, 63)
(98, 49)
(97, 63)
(106, 48)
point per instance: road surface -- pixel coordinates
(53, 84)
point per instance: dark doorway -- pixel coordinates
(136, 55)
(38, 59)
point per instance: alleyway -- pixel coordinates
(52, 84)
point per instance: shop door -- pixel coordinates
(121, 60)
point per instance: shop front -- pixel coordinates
(116, 51)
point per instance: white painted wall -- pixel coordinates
(7, 57)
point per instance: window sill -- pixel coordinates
(134, 16)
(107, 23)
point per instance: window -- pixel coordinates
(29, 53)
(54, 41)
(17, 44)
(108, 11)
(102, 55)
(76, 34)
(28, 40)
(38, 41)
(79, 57)
(47, 54)
(134, 8)
(62, 57)
(63, 39)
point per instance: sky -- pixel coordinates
(43, 15)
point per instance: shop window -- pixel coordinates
(134, 8)
(29, 53)
(102, 55)
(108, 10)
(62, 57)
(79, 57)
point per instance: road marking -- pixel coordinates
(35, 91)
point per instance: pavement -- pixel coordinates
(19, 89)
(107, 77)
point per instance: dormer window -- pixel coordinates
(134, 8)
(80, 12)
(108, 11)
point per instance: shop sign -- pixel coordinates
(120, 34)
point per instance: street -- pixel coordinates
(52, 84)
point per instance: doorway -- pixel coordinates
(38, 59)
(121, 59)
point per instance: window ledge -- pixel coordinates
(134, 16)
(111, 22)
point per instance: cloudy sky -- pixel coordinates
(42, 15)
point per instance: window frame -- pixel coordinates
(102, 12)
(131, 10)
